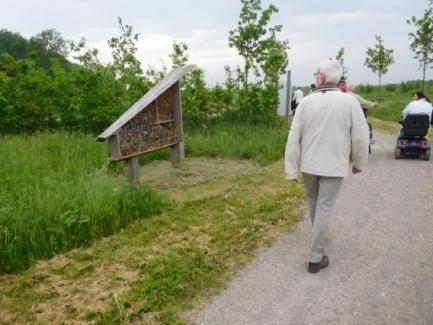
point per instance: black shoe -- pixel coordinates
(316, 267)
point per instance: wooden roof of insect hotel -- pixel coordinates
(152, 123)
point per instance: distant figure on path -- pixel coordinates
(365, 103)
(419, 104)
(343, 87)
(312, 87)
(297, 97)
(327, 130)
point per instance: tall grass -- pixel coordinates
(56, 193)
(264, 143)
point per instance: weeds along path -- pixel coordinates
(158, 268)
(381, 257)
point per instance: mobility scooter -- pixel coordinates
(412, 140)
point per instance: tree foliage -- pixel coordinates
(195, 101)
(48, 82)
(126, 66)
(422, 40)
(340, 58)
(13, 44)
(36, 94)
(379, 59)
(45, 46)
(264, 55)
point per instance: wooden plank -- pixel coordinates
(173, 77)
(140, 153)
(288, 95)
(178, 150)
(166, 121)
(133, 172)
(178, 155)
(113, 144)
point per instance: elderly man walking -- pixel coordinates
(328, 130)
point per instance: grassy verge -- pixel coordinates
(57, 191)
(162, 267)
(386, 126)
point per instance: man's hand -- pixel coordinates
(355, 170)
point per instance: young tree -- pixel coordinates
(47, 45)
(127, 68)
(51, 41)
(340, 58)
(379, 59)
(422, 40)
(264, 55)
(88, 57)
(180, 56)
(253, 38)
(194, 91)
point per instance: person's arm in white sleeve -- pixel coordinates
(293, 147)
(359, 137)
(365, 104)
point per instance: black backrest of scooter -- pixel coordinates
(416, 124)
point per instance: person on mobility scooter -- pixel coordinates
(417, 117)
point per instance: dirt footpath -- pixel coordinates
(381, 257)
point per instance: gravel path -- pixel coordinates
(381, 257)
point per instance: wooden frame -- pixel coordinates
(152, 123)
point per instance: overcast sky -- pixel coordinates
(315, 30)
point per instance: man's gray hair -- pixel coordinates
(332, 70)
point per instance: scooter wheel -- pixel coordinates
(426, 155)
(397, 153)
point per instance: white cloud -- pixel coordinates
(334, 18)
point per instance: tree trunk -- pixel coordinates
(423, 75)
(380, 84)
(246, 72)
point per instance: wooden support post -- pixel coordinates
(288, 96)
(133, 173)
(178, 150)
(178, 155)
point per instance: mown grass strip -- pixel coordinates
(162, 267)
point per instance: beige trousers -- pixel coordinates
(321, 195)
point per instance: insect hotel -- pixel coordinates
(153, 122)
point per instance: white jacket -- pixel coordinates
(328, 129)
(298, 95)
(417, 107)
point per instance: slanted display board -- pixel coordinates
(153, 122)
